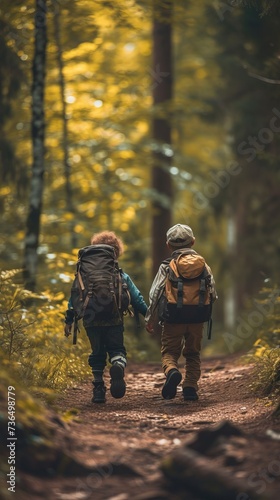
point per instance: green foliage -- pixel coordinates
(267, 370)
(28, 408)
(269, 332)
(265, 352)
(33, 429)
(31, 337)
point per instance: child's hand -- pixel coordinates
(67, 330)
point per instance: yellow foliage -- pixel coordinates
(124, 226)
(7, 275)
(97, 167)
(260, 351)
(126, 154)
(117, 196)
(79, 228)
(59, 296)
(79, 51)
(90, 212)
(201, 73)
(70, 415)
(68, 216)
(129, 213)
(4, 191)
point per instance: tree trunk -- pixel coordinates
(38, 133)
(65, 143)
(162, 95)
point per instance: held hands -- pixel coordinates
(67, 330)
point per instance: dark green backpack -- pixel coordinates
(99, 291)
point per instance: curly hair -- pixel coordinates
(108, 238)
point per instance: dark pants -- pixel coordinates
(105, 340)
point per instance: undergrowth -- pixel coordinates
(266, 349)
(32, 340)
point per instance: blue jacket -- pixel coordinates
(137, 301)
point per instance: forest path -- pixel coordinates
(125, 440)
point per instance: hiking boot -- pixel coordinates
(173, 379)
(190, 394)
(118, 386)
(99, 392)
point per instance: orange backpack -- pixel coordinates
(187, 296)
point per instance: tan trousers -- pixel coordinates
(185, 340)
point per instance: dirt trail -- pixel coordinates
(125, 440)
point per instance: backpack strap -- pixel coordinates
(120, 292)
(209, 326)
(180, 293)
(75, 330)
(80, 280)
(123, 286)
(209, 329)
(202, 288)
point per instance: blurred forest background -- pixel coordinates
(132, 115)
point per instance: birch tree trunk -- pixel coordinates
(38, 133)
(162, 94)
